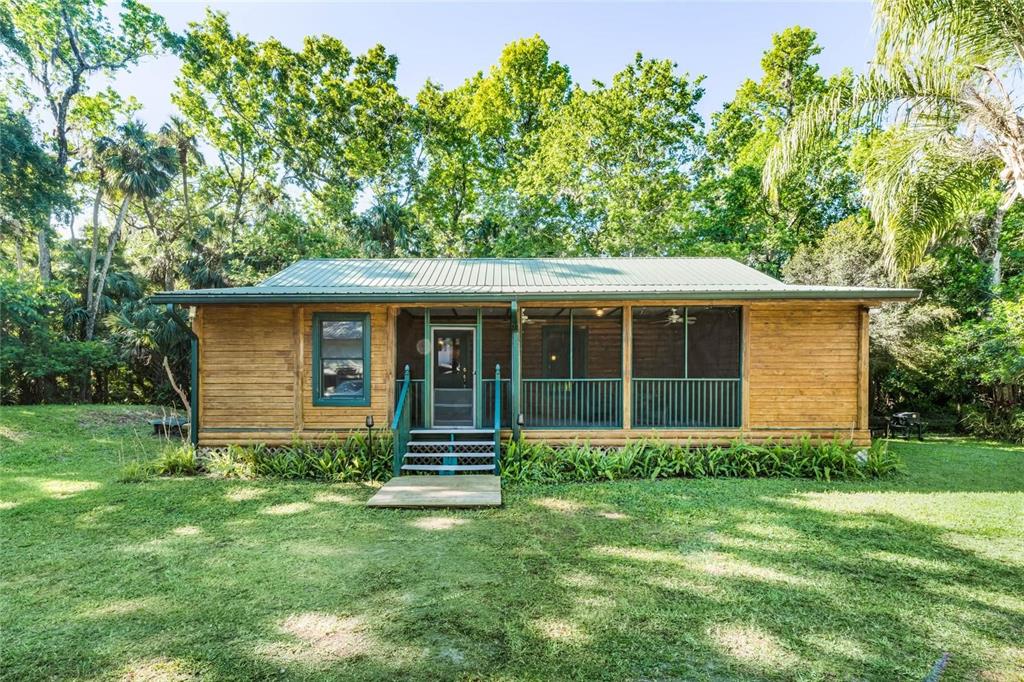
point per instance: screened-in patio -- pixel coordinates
(566, 366)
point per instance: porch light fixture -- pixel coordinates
(553, 358)
(599, 312)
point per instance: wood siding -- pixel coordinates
(803, 367)
(804, 371)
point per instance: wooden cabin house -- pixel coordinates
(474, 350)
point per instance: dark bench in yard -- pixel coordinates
(168, 426)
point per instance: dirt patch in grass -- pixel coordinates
(137, 416)
(319, 638)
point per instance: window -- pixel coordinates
(341, 359)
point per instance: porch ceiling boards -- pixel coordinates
(526, 279)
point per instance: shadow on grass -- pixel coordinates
(673, 579)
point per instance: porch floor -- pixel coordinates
(463, 491)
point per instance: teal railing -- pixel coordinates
(497, 420)
(416, 401)
(400, 426)
(505, 405)
(686, 403)
(559, 403)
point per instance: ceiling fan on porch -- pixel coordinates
(525, 319)
(675, 318)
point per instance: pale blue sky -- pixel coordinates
(449, 41)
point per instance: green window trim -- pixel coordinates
(319, 399)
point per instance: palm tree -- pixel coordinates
(944, 74)
(136, 166)
(181, 135)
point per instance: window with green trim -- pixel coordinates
(341, 359)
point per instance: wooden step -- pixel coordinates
(458, 431)
(448, 454)
(447, 467)
(451, 443)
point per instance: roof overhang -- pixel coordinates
(251, 295)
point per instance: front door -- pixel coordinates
(453, 375)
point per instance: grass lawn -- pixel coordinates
(680, 579)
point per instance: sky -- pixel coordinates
(449, 41)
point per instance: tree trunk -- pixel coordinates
(994, 233)
(45, 268)
(90, 324)
(91, 276)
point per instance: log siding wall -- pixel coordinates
(804, 371)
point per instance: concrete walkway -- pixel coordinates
(424, 492)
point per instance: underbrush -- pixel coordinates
(354, 458)
(527, 462)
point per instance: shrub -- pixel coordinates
(135, 471)
(527, 462)
(1004, 423)
(350, 459)
(179, 460)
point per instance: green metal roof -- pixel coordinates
(502, 279)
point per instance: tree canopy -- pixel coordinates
(910, 172)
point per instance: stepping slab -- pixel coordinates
(432, 492)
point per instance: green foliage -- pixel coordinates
(617, 158)
(38, 362)
(350, 459)
(528, 462)
(135, 471)
(177, 460)
(730, 209)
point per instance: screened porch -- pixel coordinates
(568, 367)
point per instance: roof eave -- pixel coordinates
(224, 297)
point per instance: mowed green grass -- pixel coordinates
(680, 579)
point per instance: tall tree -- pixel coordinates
(137, 168)
(617, 159)
(31, 183)
(731, 210)
(59, 45)
(945, 74)
(319, 119)
(477, 141)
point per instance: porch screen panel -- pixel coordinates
(496, 330)
(686, 367)
(410, 350)
(572, 367)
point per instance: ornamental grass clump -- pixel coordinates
(527, 462)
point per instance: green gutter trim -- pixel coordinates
(193, 394)
(440, 297)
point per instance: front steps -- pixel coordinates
(449, 451)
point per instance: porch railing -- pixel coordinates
(416, 402)
(560, 403)
(506, 402)
(400, 426)
(686, 403)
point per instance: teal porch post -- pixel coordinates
(428, 372)
(515, 374)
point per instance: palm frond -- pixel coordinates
(930, 92)
(921, 186)
(978, 31)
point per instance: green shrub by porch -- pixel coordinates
(528, 462)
